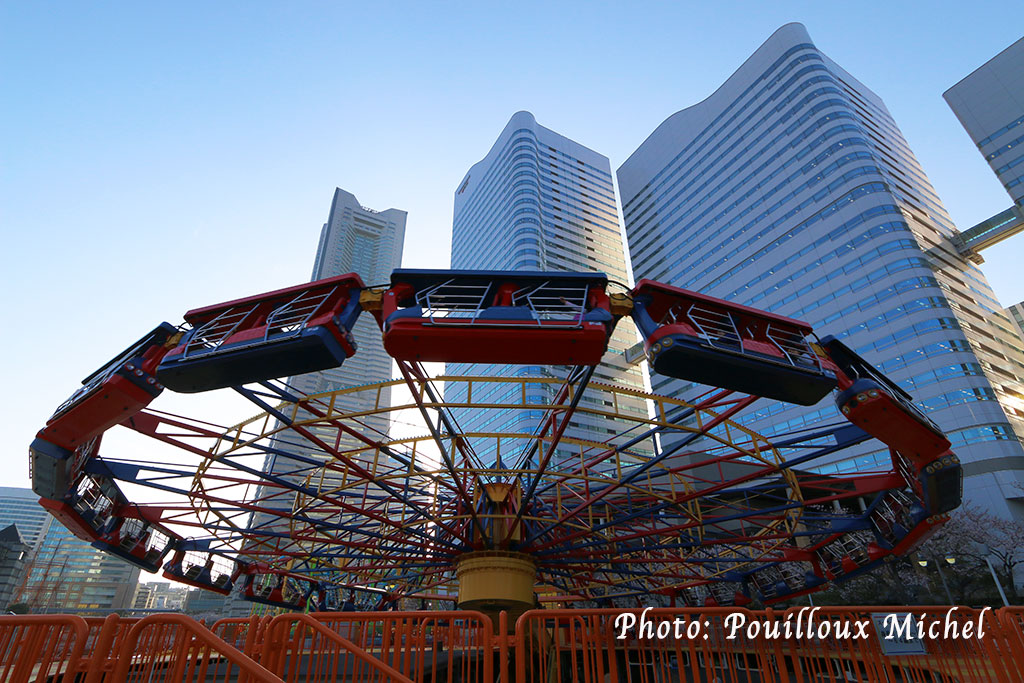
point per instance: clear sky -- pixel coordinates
(162, 156)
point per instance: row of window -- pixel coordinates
(880, 460)
(923, 352)
(915, 330)
(862, 282)
(865, 304)
(958, 397)
(717, 126)
(821, 215)
(743, 147)
(941, 374)
(747, 188)
(692, 231)
(829, 411)
(844, 250)
(1008, 127)
(1015, 182)
(1004, 149)
(1013, 164)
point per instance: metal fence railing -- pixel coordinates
(727, 645)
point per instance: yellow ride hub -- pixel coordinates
(494, 580)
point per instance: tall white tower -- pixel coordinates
(791, 188)
(540, 202)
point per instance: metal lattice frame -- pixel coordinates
(676, 499)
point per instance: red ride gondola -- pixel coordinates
(496, 317)
(129, 535)
(699, 338)
(274, 587)
(202, 569)
(119, 389)
(287, 332)
(874, 403)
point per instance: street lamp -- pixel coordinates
(985, 550)
(938, 566)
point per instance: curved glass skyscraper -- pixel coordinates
(791, 189)
(539, 201)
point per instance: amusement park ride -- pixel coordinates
(684, 503)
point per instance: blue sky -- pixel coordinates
(161, 157)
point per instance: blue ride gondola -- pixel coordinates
(128, 534)
(286, 332)
(702, 339)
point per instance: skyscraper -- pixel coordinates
(790, 188)
(540, 202)
(368, 242)
(1016, 315)
(990, 104)
(360, 240)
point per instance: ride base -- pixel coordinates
(494, 580)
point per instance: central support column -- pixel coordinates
(494, 580)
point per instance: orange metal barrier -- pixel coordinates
(173, 647)
(354, 663)
(103, 646)
(585, 645)
(246, 634)
(899, 643)
(40, 648)
(365, 646)
(798, 645)
(684, 645)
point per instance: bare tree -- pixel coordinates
(971, 535)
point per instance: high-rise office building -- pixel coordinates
(21, 506)
(356, 239)
(360, 240)
(1016, 316)
(990, 105)
(541, 202)
(790, 188)
(368, 242)
(13, 553)
(62, 572)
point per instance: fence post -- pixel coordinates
(101, 650)
(502, 646)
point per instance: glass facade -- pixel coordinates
(64, 573)
(792, 189)
(539, 201)
(989, 105)
(360, 240)
(369, 243)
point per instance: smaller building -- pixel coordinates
(63, 573)
(143, 596)
(204, 604)
(13, 551)
(164, 595)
